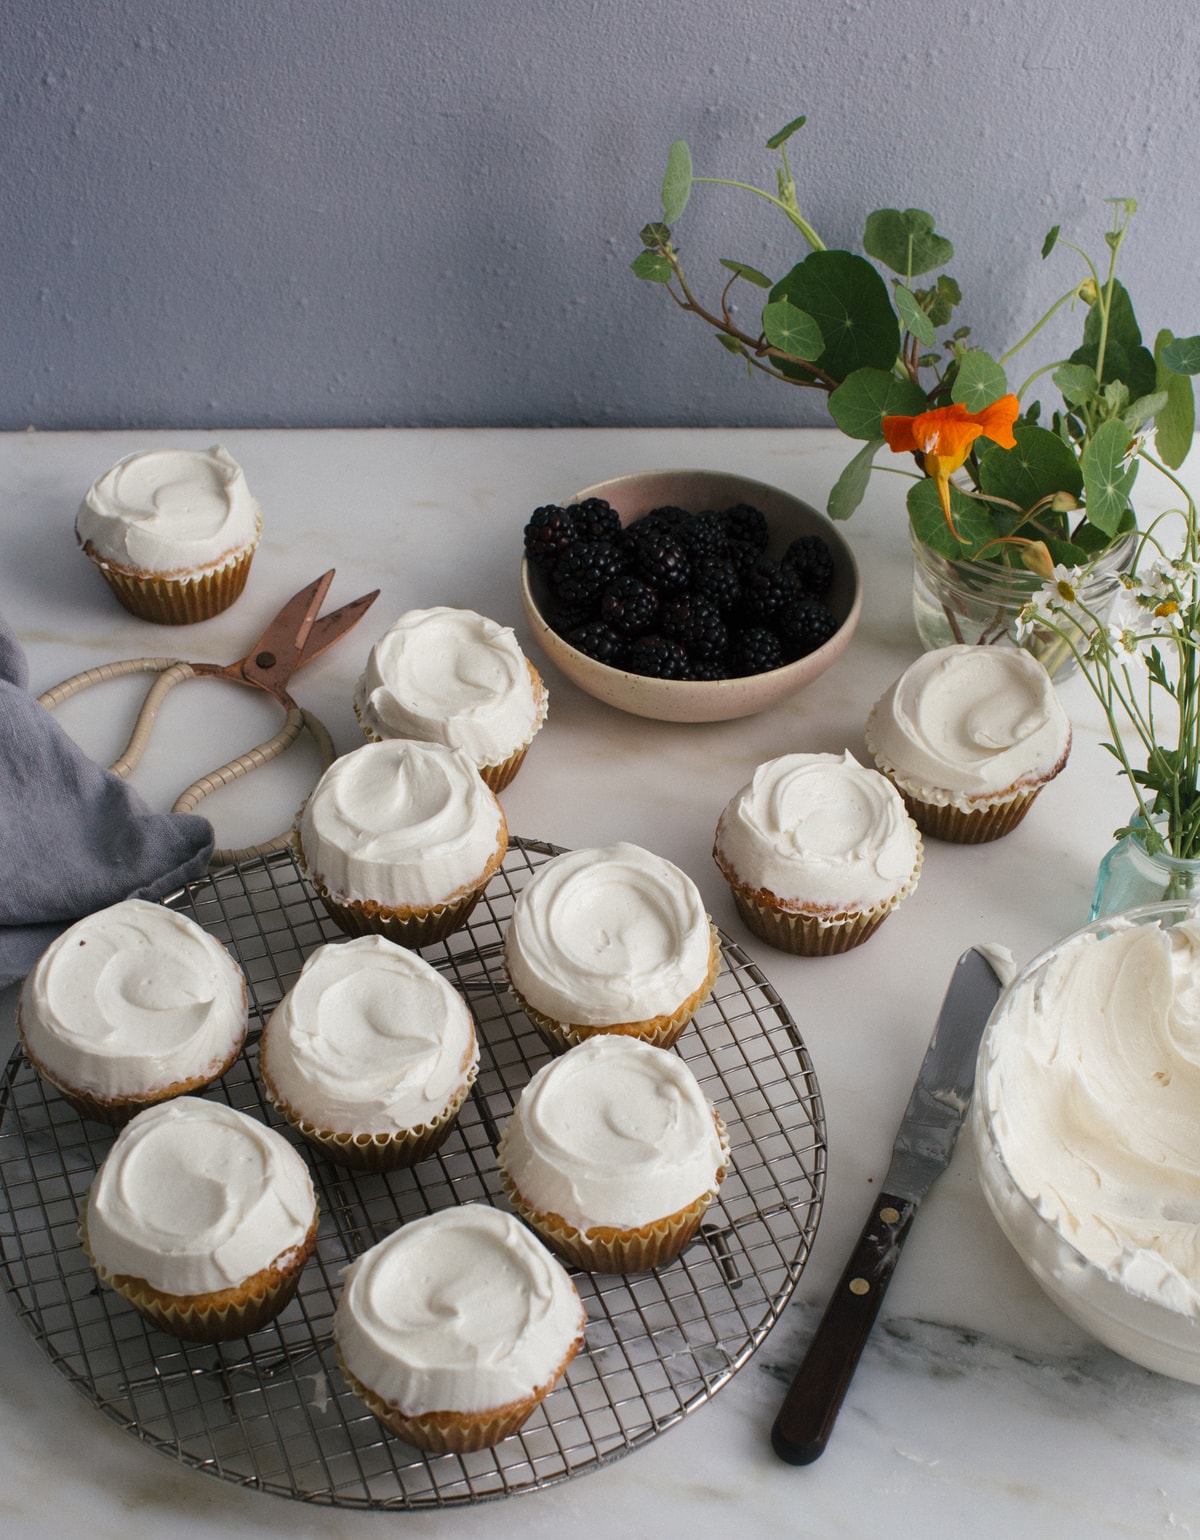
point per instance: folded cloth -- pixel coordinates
(73, 838)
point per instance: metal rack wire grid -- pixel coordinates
(272, 1411)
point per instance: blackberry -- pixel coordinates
(595, 519)
(597, 640)
(655, 655)
(745, 522)
(768, 588)
(662, 562)
(629, 605)
(806, 626)
(696, 622)
(716, 578)
(548, 533)
(740, 554)
(707, 668)
(702, 535)
(584, 569)
(755, 651)
(811, 560)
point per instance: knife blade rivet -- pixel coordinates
(889, 1215)
(859, 1286)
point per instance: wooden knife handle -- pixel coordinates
(807, 1416)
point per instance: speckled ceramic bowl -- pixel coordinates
(687, 700)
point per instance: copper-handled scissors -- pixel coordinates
(297, 635)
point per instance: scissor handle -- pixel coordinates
(172, 671)
(297, 720)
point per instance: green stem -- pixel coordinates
(1032, 333)
(793, 213)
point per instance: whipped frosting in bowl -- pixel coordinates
(130, 1001)
(463, 1311)
(454, 677)
(1087, 1129)
(966, 723)
(615, 1132)
(611, 935)
(170, 511)
(401, 824)
(820, 832)
(195, 1197)
(371, 1039)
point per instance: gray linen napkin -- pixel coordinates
(73, 837)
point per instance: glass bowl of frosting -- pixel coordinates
(1086, 1124)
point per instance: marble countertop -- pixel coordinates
(978, 1408)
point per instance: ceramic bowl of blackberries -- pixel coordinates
(688, 596)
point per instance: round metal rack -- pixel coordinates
(271, 1411)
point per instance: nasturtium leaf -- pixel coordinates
(939, 301)
(1176, 422)
(1124, 356)
(972, 521)
(1039, 466)
(850, 303)
(1107, 477)
(1051, 241)
(785, 133)
(866, 397)
(914, 317)
(980, 380)
(848, 490)
(652, 266)
(677, 182)
(791, 330)
(655, 234)
(1182, 354)
(1145, 409)
(744, 270)
(1077, 383)
(905, 241)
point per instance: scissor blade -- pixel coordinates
(327, 630)
(276, 655)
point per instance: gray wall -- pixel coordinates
(421, 212)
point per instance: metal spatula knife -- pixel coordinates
(922, 1151)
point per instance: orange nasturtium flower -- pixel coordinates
(945, 435)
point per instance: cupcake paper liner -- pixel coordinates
(659, 1031)
(456, 1432)
(214, 1317)
(613, 1249)
(176, 601)
(376, 1152)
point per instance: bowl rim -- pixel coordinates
(1126, 919)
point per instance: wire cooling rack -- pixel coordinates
(271, 1411)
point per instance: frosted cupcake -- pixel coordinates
(131, 1006)
(370, 1054)
(455, 1327)
(970, 735)
(401, 838)
(202, 1218)
(613, 1155)
(610, 940)
(172, 531)
(454, 677)
(817, 852)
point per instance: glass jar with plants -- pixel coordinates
(1000, 497)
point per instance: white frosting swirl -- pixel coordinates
(195, 1197)
(614, 1132)
(369, 1039)
(461, 1311)
(454, 677)
(1092, 1086)
(403, 823)
(964, 723)
(818, 831)
(130, 1000)
(606, 936)
(170, 511)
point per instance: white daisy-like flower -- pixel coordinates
(1029, 618)
(1061, 588)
